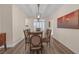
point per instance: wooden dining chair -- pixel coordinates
(26, 35)
(3, 40)
(47, 37)
(36, 42)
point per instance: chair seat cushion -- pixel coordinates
(36, 48)
(45, 40)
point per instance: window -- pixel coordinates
(39, 24)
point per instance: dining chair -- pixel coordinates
(3, 40)
(27, 39)
(47, 37)
(36, 42)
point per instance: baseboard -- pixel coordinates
(8, 46)
(62, 48)
(17, 42)
(13, 44)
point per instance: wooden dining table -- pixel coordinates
(43, 33)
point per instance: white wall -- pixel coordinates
(30, 23)
(12, 22)
(6, 22)
(18, 22)
(69, 37)
(0, 20)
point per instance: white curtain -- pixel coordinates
(39, 24)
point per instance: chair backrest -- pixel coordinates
(35, 39)
(48, 33)
(26, 33)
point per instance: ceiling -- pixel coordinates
(46, 10)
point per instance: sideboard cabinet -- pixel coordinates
(3, 40)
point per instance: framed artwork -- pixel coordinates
(70, 20)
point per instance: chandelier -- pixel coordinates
(38, 13)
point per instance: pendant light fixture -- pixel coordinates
(38, 13)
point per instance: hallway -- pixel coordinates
(61, 19)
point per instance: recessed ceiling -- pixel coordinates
(46, 10)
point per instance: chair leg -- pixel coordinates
(47, 43)
(25, 43)
(41, 51)
(5, 46)
(25, 46)
(30, 51)
(37, 51)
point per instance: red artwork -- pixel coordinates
(70, 20)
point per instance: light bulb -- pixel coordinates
(38, 16)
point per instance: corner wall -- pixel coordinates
(18, 24)
(68, 37)
(6, 22)
(12, 22)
